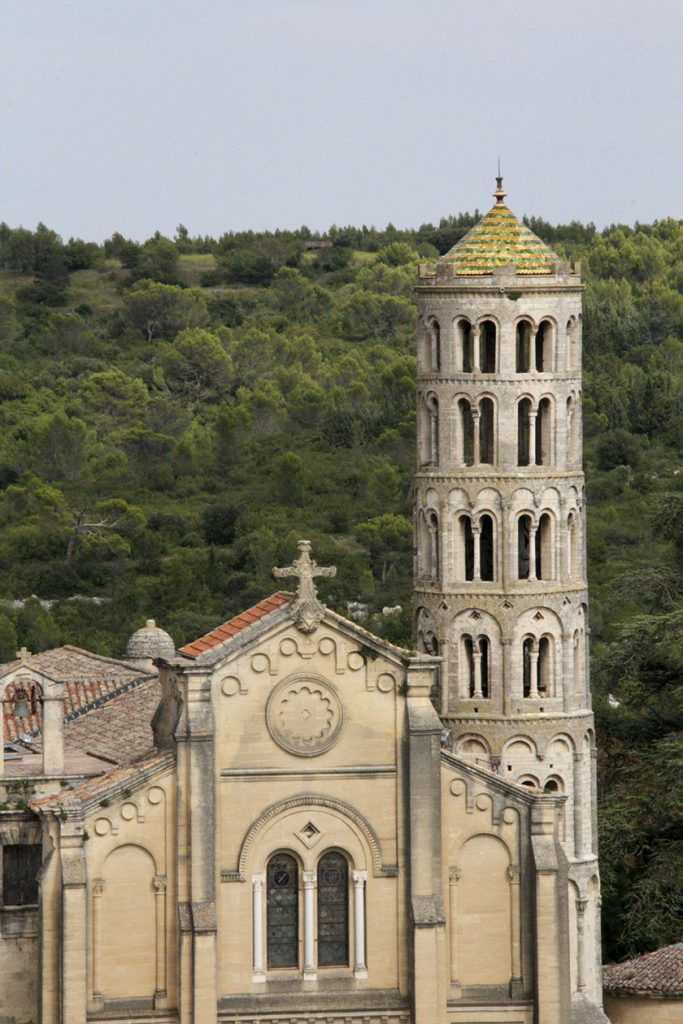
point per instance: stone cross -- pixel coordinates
(307, 610)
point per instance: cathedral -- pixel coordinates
(290, 820)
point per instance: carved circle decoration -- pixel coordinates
(305, 715)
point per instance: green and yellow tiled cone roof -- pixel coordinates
(498, 240)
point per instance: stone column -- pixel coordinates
(160, 908)
(476, 658)
(309, 926)
(476, 534)
(97, 894)
(506, 643)
(515, 934)
(532, 437)
(446, 542)
(257, 883)
(453, 879)
(581, 905)
(533, 529)
(533, 670)
(475, 437)
(476, 343)
(360, 969)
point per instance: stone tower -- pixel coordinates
(500, 574)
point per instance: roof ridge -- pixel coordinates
(226, 630)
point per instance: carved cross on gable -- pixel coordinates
(307, 610)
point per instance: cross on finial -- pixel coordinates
(24, 654)
(307, 609)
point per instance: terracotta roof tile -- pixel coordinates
(89, 679)
(235, 625)
(657, 974)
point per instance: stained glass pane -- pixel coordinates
(283, 912)
(333, 911)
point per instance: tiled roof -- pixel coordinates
(229, 629)
(90, 680)
(93, 788)
(497, 240)
(657, 974)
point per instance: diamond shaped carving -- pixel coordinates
(309, 835)
(475, 616)
(538, 617)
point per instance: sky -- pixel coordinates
(138, 115)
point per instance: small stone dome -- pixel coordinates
(150, 642)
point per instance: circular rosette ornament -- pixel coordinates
(305, 715)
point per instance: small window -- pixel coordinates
(333, 911)
(283, 911)
(20, 866)
(487, 347)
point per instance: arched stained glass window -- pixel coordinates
(333, 911)
(283, 911)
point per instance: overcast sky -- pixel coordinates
(135, 115)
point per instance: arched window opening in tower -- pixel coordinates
(523, 547)
(433, 410)
(464, 346)
(487, 347)
(467, 431)
(435, 346)
(544, 347)
(475, 664)
(543, 433)
(523, 432)
(523, 347)
(466, 560)
(546, 679)
(572, 340)
(486, 430)
(544, 548)
(433, 568)
(282, 911)
(486, 557)
(571, 546)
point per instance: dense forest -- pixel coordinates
(176, 414)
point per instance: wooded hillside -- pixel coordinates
(176, 414)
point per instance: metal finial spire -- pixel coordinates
(500, 193)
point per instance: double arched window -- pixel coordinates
(538, 669)
(475, 346)
(475, 557)
(534, 433)
(534, 347)
(535, 548)
(477, 431)
(283, 914)
(475, 664)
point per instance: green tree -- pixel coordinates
(161, 310)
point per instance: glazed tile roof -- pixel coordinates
(229, 629)
(90, 681)
(656, 974)
(498, 240)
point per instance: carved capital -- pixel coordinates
(581, 905)
(513, 873)
(98, 887)
(308, 879)
(258, 882)
(359, 878)
(454, 874)
(160, 884)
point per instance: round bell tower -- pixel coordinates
(500, 568)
